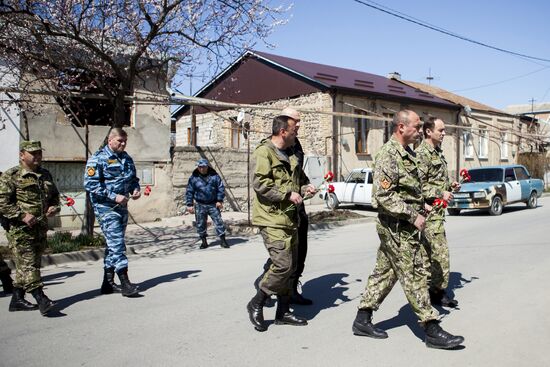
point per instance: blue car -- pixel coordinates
(491, 188)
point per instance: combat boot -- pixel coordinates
(223, 243)
(362, 325)
(204, 243)
(44, 303)
(109, 286)
(298, 299)
(7, 282)
(255, 310)
(438, 338)
(19, 303)
(438, 297)
(283, 316)
(127, 288)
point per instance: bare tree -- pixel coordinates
(108, 47)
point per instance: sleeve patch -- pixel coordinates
(385, 184)
(91, 171)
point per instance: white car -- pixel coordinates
(356, 189)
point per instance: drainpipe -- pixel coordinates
(458, 133)
(335, 132)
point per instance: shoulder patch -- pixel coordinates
(385, 184)
(111, 161)
(90, 171)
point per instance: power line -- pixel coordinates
(502, 81)
(421, 23)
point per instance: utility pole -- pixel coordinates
(532, 100)
(429, 78)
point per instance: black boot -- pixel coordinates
(255, 310)
(7, 282)
(438, 297)
(223, 243)
(297, 298)
(204, 244)
(438, 338)
(362, 325)
(44, 303)
(127, 288)
(19, 303)
(283, 316)
(109, 286)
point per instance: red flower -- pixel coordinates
(330, 188)
(465, 175)
(441, 202)
(147, 190)
(329, 176)
(70, 201)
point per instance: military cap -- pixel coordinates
(30, 145)
(203, 162)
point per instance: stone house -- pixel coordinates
(335, 136)
(64, 138)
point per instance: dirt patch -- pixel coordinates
(333, 215)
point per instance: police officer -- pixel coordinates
(398, 196)
(432, 169)
(279, 185)
(206, 189)
(28, 196)
(110, 179)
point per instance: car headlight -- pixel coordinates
(480, 195)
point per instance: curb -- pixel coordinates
(234, 228)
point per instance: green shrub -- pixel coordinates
(65, 242)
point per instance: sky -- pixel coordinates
(347, 34)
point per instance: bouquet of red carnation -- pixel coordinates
(441, 202)
(465, 175)
(147, 190)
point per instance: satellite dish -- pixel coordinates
(240, 116)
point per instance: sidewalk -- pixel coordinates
(178, 234)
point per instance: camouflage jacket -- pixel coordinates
(23, 191)
(275, 177)
(432, 169)
(109, 174)
(397, 191)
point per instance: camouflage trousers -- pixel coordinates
(202, 211)
(400, 257)
(27, 245)
(435, 242)
(4, 268)
(282, 246)
(113, 225)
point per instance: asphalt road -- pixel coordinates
(192, 312)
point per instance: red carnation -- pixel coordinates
(70, 201)
(329, 176)
(330, 188)
(465, 175)
(441, 202)
(147, 191)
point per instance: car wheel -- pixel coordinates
(332, 201)
(453, 211)
(496, 206)
(533, 200)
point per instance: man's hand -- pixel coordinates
(455, 186)
(29, 219)
(121, 200)
(191, 209)
(52, 210)
(310, 190)
(447, 196)
(420, 222)
(427, 207)
(219, 205)
(136, 194)
(295, 198)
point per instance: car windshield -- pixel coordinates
(485, 175)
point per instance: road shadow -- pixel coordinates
(485, 213)
(457, 281)
(405, 317)
(59, 278)
(324, 291)
(66, 302)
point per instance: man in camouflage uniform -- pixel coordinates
(398, 196)
(27, 197)
(279, 184)
(432, 169)
(110, 179)
(5, 271)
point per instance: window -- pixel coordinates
(190, 136)
(504, 146)
(356, 177)
(68, 176)
(145, 173)
(361, 133)
(387, 127)
(509, 175)
(236, 132)
(468, 149)
(521, 174)
(483, 143)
